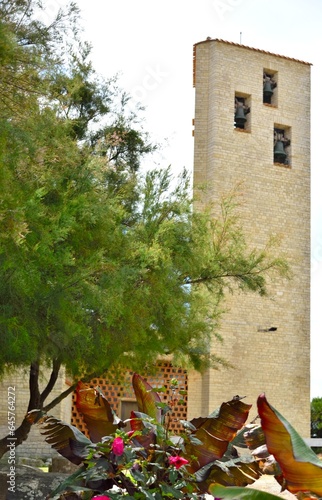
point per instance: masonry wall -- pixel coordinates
(18, 383)
(275, 201)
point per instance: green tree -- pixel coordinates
(316, 417)
(101, 266)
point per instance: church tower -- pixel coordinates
(252, 128)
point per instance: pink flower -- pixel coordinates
(101, 497)
(178, 461)
(118, 446)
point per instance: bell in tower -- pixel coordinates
(268, 88)
(280, 143)
(241, 110)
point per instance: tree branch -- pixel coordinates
(237, 276)
(52, 381)
(34, 398)
(66, 393)
(59, 398)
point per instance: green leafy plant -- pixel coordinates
(149, 462)
(316, 417)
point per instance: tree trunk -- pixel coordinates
(34, 394)
(20, 435)
(36, 402)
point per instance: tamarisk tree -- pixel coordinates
(101, 264)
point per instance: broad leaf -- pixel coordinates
(146, 397)
(65, 438)
(140, 422)
(301, 468)
(210, 449)
(240, 471)
(234, 493)
(216, 433)
(231, 417)
(97, 412)
(253, 436)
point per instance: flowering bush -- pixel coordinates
(150, 463)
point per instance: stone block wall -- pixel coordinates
(275, 200)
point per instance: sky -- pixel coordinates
(149, 44)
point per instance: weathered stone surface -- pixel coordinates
(29, 483)
(61, 464)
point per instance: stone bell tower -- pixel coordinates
(252, 127)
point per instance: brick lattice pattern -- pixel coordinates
(122, 391)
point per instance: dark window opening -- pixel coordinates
(281, 144)
(126, 407)
(242, 108)
(269, 84)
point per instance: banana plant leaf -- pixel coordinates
(301, 468)
(215, 433)
(140, 422)
(97, 412)
(235, 493)
(147, 398)
(254, 436)
(65, 438)
(240, 471)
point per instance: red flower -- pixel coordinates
(178, 461)
(118, 446)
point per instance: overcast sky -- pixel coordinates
(149, 43)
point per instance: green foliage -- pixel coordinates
(316, 417)
(92, 282)
(100, 264)
(149, 462)
(59, 217)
